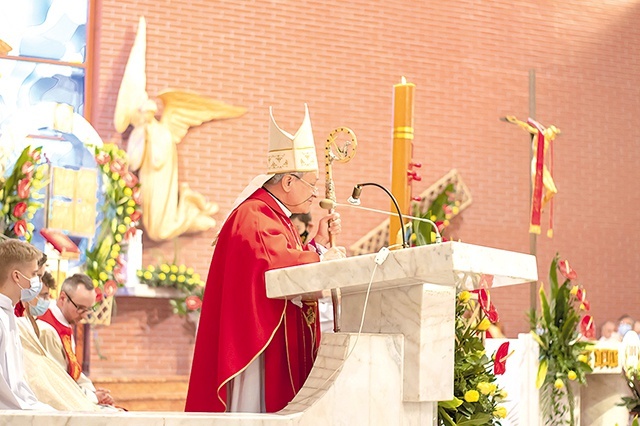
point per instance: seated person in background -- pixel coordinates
(625, 324)
(18, 281)
(608, 333)
(77, 296)
(302, 222)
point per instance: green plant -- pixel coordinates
(476, 394)
(441, 210)
(19, 194)
(179, 277)
(121, 212)
(560, 330)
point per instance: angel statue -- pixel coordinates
(168, 209)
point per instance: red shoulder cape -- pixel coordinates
(238, 322)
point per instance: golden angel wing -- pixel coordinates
(183, 110)
(4, 47)
(132, 93)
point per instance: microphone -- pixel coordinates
(354, 200)
(329, 204)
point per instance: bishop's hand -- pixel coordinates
(330, 224)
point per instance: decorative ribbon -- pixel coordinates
(536, 202)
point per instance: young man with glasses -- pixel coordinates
(252, 353)
(76, 300)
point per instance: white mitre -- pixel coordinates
(291, 153)
(287, 153)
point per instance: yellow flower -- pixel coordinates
(151, 268)
(486, 388)
(181, 278)
(447, 216)
(127, 220)
(172, 277)
(131, 203)
(446, 221)
(115, 176)
(118, 238)
(96, 283)
(122, 228)
(413, 238)
(558, 384)
(147, 275)
(502, 394)
(500, 412)
(190, 271)
(174, 269)
(201, 283)
(471, 396)
(572, 375)
(165, 268)
(583, 358)
(464, 296)
(574, 290)
(121, 183)
(103, 276)
(484, 324)
(115, 247)
(196, 277)
(162, 276)
(182, 269)
(455, 209)
(130, 210)
(433, 218)
(111, 262)
(128, 192)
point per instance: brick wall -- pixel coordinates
(470, 61)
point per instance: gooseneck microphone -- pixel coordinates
(355, 200)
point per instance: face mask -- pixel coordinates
(623, 329)
(40, 308)
(28, 294)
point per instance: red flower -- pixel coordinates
(566, 270)
(20, 227)
(193, 303)
(23, 188)
(440, 225)
(27, 168)
(500, 361)
(130, 179)
(587, 327)
(487, 305)
(118, 166)
(135, 216)
(103, 158)
(131, 231)
(35, 155)
(119, 274)
(110, 288)
(137, 194)
(99, 295)
(20, 209)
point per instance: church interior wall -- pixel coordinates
(470, 62)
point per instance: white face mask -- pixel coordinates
(28, 294)
(40, 308)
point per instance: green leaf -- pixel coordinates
(454, 403)
(553, 276)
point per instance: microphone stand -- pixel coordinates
(355, 200)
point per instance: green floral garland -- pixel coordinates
(19, 194)
(121, 213)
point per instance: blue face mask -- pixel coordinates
(623, 329)
(40, 308)
(28, 294)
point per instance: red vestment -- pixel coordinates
(238, 322)
(66, 336)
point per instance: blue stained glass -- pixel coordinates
(28, 83)
(47, 29)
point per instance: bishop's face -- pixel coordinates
(303, 192)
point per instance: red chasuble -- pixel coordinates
(238, 322)
(66, 336)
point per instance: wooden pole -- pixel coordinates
(533, 238)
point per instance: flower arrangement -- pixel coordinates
(442, 209)
(476, 395)
(179, 277)
(121, 212)
(560, 330)
(19, 194)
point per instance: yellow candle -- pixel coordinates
(403, 95)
